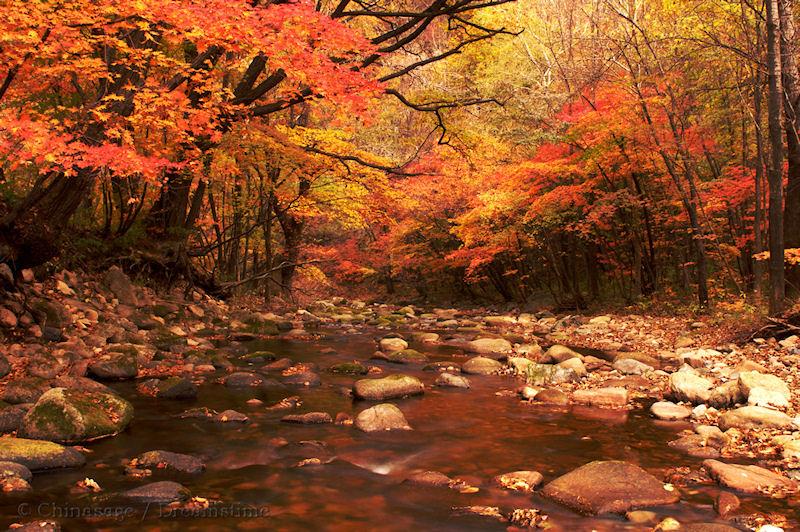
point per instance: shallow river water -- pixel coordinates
(471, 434)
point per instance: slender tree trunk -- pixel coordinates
(774, 172)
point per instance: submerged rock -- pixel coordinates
(607, 397)
(158, 492)
(390, 387)
(451, 381)
(406, 356)
(382, 417)
(71, 416)
(309, 418)
(609, 486)
(182, 463)
(39, 455)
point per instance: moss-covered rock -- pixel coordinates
(349, 368)
(72, 416)
(178, 388)
(37, 455)
(407, 356)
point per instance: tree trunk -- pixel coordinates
(774, 172)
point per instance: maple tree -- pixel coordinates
(462, 148)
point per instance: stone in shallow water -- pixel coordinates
(525, 481)
(310, 418)
(390, 387)
(751, 417)
(177, 388)
(182, 463)
(670, 411)
(429, 478)
(609, 486)
(481, 366)
(38, 455)
(381, 417)
(406, 356)
(392, 344)
(607, 397)
(489, 345)
(452, 381)
(158, 492)
(71, 416)
(747, 478)
(552, 396)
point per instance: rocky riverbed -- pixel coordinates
(123, 408)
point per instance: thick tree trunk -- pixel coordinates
(30, 232)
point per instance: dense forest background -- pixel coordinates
(570, 152)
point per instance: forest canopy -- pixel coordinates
(497, 150)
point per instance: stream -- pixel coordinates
(471, 435)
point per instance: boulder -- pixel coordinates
(71, 416)
(560, 353)
(39, 455)
(726, 395)
(609, 486)
(575, 365)
(753, 417)
(487, 346)
(382, 417)
(25, 390)
(121, 286)
(176, 388)
(764, 390)
(390, 387)
(552, 396)
(689, 386)
(630, 366)
(115, 366)
(309, 418)
(481, 366)
(406, 356)
(525, 481)
(163, 492)
(388, 345)
(747, 478)
(166, 460)
(452, 381)
(670, 411)
(606, 397)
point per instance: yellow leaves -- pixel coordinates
(790, 256)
